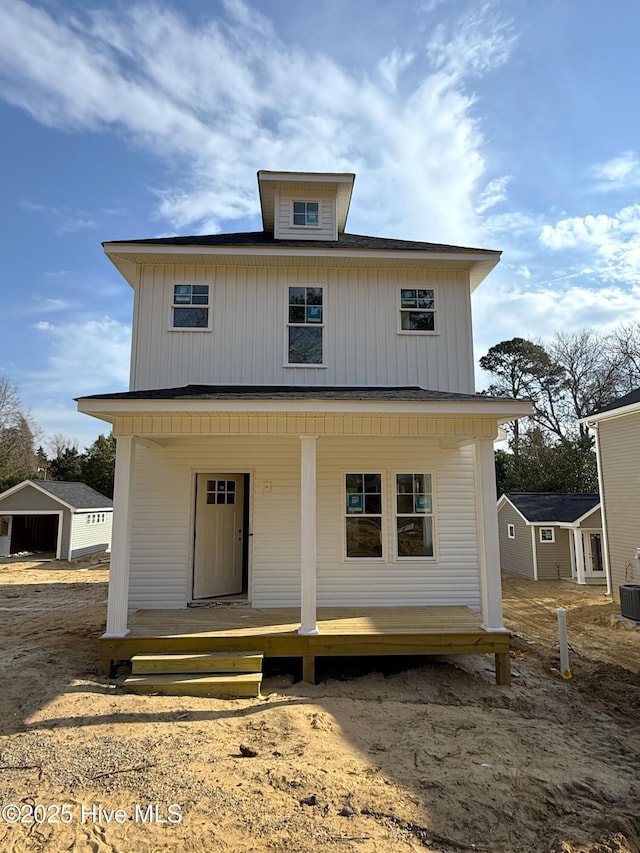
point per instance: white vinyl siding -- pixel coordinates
(326, 229)
(361, 342)
(162, 521)
(89, 536)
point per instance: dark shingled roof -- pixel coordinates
(293, 392)
(261, 238)
(79, 495)
(553, 507)
(628, 400)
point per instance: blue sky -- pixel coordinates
(497, 123)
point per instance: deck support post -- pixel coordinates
(503, 668)
(308, 547)
(579, 552)
(309, 669)
(118, 601)
(489, 548)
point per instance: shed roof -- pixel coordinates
(75, 495)
(552, 507)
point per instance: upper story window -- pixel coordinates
(547, 534)
(305, 326)
(417, 310)
(190, 307)
(511, 531)
(306, 213)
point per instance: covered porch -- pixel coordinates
(341, 631)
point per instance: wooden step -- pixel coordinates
(230, 686)
(215, 662)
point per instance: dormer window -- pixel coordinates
(306, 213)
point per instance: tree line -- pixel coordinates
(22, 457)
(567, 379)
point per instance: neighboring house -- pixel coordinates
(69, 520)
(547, 536)
(617, 431)
(301, 426)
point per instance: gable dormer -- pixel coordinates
(305, 205)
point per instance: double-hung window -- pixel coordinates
(417, 310)
(190, 307)
(414, 515)
(305, 326)
(363, 515)
(306, 213)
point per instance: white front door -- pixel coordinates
(593, 558)
(219, 536)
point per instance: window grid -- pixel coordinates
(417, 310)
(547, 534)
(190, 306)
(305, 326)
(363, 515)
(221, 492)
(414, 516)
(306, 213)
(511, 531)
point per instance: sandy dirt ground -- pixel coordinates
(381, 755)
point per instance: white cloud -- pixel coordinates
(84, 357)
(611, 243)
(620, 172)
(502, 312)
(393, 65)
(68, 221)
(494, 192)
(224, 97)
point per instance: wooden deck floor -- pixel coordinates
(342, 631)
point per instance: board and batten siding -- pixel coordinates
(247, 344)
(619, 440)
(516, 555)
(327, 228)
(163, 521)
(90, 538)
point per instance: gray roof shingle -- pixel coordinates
(294, 392)
(344, 241)
(552, 507)
(628, 400)
(78, 495)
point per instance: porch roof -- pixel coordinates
(193, 400)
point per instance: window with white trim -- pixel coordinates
(305, 213)
(363, 515)
(547, 534)
(414, 516)
(305, 326)
(511, 531)
(190, 307)
(417, 310)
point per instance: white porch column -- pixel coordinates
(308, 557)
(118, 602)
(579, 552)
(488, 542)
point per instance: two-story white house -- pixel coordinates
(302, 427)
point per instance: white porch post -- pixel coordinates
(308, 558)
(488, 541)
(579, 552)
(118, 601)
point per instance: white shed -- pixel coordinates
(69, 520)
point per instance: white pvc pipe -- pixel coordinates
(564, 644)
